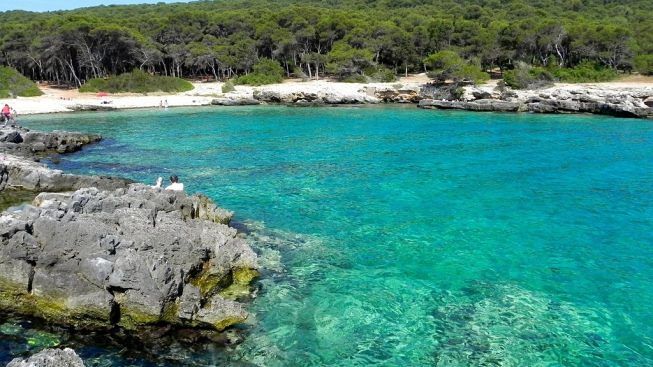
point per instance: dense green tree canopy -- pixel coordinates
(223, 38)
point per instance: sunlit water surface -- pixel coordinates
(403, 237)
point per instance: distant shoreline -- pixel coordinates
(406, 90)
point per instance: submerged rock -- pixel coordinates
(50, 358)
(130, 257)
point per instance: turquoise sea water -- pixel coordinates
(402, 237)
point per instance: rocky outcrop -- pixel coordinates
(18, 173)
(20, 141)
(130, 257)
(619, 106)
(483, 105)
(235, 101)
(628, 102)
(398, 95)
(91, 107)
(21, 177)
(101, 252)
(50, 358)
(313, 96)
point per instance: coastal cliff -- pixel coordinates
(101, 252)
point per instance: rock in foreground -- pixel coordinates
(50, 358)
(131, 257)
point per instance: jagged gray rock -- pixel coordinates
(50, 358)
(21, 177)
(18, 173)
(16, 140)
(485, 105)
(398, 95)
(133, 256)
(628, 102)
(235, 101)
(313, 97)
(90, 107)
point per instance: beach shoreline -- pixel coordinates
(406, 90)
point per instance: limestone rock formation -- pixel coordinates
(18, 173)
(50, 358)
(20, 141)
(313, 96)
(21, 177)
(628, 102)
(398, 95)
(91, 107)
(478, 105)
(235, 101)
(130, 257)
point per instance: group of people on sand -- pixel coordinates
(8, 114)
(175, 185)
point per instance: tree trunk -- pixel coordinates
(72, 72)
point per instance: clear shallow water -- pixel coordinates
(396, 236)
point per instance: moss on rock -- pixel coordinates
(244, 275)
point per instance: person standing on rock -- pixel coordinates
(175, 185)
(6, 113)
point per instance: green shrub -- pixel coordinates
(585, 73)
(380, 74)
(137, 81)
(644, 64)
(228, 87)
(524, 76)
(299, 73)
(266, 71)
(354, 78)
(447, 64)
(13, 83)
(473, 73)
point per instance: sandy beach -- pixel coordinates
(56, 100)
(65, 100)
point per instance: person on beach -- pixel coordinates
(165, 104)
(175, 185)
(6, 113)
